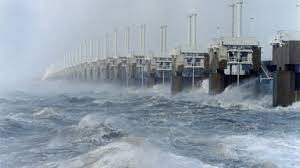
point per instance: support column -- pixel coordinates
(284, 88)
(177, 79)
(216, 83)
(239, 18)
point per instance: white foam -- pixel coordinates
(235, 97)
(132, 153)
(90, 121)
(156, 90)
(295, 107)
(275, 151)
(47, 113)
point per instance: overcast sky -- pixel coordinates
(37, 33)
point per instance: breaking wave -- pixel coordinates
(90, 130)
(114, 127)
(242, 97)
(48, 113)
(132, 153)
(262, 151)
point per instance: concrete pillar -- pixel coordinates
(195, 32)
(106, 46)
(190, 31)
(95, 72)
(239, 18)
(120, 77)
(91, 73)
(99, 75)
(127, 40)
(233, 20)
(150, 75)
(284, 88)
(163, 40)
(115, 71)
(216, 83)
(143, 39)
(112, 73)
(107, 72)
(177, 79)
(133, 75)
(85, 74)
(116, 43)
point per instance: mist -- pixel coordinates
(37, 33)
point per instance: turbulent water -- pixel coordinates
(103, 126)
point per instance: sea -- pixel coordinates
(67, 125)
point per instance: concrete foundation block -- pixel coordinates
(216, 83)
(284, 88)
(177, 80)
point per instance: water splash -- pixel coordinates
(132, 153)
(262, 151)
(50, 70)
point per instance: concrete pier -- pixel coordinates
(233, 60)
(150, 73)
(286, 59)
(216, 83)
(228, 61)
(161, 69)
(133, 70)
(190, 68)
(177, 78)
(283, 89)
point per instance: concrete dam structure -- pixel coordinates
(286, 59)
(131, 69)
(228, 61)
(190, 66)
(233, 59)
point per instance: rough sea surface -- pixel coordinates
(49, 125)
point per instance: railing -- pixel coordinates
(267, 74)
(196, 64)
(234, 60)
(164, 66)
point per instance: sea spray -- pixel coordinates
(108, 125)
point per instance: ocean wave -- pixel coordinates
(49, 113)
(241, 97)
(10, 127)
(16, 126)
(90, 131)
(260, 151)
(85, 99)
(295, 107)
(191, 129)
(132, 153)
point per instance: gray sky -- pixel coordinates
(36, 33)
